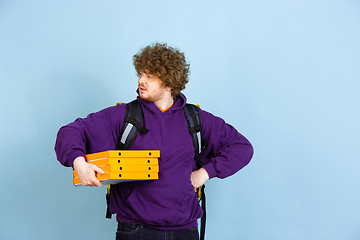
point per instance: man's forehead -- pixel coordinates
(146, 71)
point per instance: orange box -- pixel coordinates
(124, 161)
(127, 168)
(123, 154)
(124, 165)
(117, 177)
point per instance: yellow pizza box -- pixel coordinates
(123, 154)
(125, 161)
(117, 177)
(127, 168)
(128, 175)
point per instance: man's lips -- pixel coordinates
(142, 89)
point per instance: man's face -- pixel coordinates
(151, 87)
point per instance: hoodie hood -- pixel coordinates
(179, 103)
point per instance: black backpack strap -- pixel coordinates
(203, 217)
(108, 191)
(132, 125)
(193, 119)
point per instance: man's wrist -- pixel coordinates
(78, 161)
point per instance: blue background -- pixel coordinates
(284, 73)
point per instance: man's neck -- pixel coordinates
(164, 103)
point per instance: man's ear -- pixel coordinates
(168, 89)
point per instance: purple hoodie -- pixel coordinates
(169, 202)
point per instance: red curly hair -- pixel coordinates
(167, 63)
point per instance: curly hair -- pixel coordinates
(165, 62)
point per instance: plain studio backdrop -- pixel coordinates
(284, 73)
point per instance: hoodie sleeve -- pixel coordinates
(227, 151)
(97, 132)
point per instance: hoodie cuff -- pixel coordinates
(210, 169)
(73, 155)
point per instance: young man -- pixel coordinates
(167, 206)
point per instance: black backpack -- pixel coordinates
(132, 125)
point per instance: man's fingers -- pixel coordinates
(88, 178)
(199, 177)
(97, 169)
(97, 183)
(92, 182)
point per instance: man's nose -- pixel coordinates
(141, 79)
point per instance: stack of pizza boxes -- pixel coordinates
(124, 165)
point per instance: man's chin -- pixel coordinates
(143, 97)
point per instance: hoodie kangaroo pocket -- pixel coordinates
(158, 206)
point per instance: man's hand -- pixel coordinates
(87, 172)
(199, 178)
